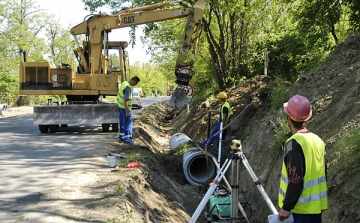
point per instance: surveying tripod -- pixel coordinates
(237, 153)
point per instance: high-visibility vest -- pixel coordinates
(313, 198)
(227, 105)
(121, 96)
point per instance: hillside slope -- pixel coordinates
(333, 89)
(158, 190)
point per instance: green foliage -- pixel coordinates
(178, 153)
(288, 57)
(279, 94)
(143, 119)
(150, 108)
(130, 158)
(181, 149)
(354, 17)
(22, 24)
(323, 16)
(152, 79)
(119, 190)
(282, 133)
(60, 44)
(9, 85)
(349, 149)
(124, 217)
(235, 39)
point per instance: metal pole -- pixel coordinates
(208, 124)
(259, 186)
(234, 195)
(220, 140)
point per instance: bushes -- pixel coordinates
(282, 133)
(279, 95)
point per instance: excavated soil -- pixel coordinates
(333, 89)
(157, 191)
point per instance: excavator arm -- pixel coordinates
(97, 27)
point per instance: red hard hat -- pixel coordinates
(298, 108)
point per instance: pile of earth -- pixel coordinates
(333, 90)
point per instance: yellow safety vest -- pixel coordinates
(313, 198)
(226, 104)
(121, 96)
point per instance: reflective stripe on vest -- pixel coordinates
(227, 105)
(313, 198)
(121, 96)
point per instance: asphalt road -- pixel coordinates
(149, 101)
(38, 170)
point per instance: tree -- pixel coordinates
(238, 35)
(60, 44)
(354, 17)
(21, 38)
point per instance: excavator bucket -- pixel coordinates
(179, 97)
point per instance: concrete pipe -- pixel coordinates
(3, 109)
(178, 139)
(198, 166)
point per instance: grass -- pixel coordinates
(144, 119)
(125, 218)
(178, 153)
(349, 145)
(118, 191)
(130, 158)
(282, 133)
(279, 95)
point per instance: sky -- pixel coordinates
(71, 13)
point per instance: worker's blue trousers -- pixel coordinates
(307, 218)
(126, 125)
(212, 137)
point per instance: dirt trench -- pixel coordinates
(157, 191)
(333, 89)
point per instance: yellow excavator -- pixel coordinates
(95, 77)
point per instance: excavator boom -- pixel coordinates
(97, 27)
(96, 75)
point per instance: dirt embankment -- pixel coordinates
(158, 191)
(333, 89)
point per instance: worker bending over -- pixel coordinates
(124, 102)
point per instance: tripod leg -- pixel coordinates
(229, 186)
(234, 190)
(210, 191)
(222, 174)
(259, 186)
(235, 197)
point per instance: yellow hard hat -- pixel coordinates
(222, 95)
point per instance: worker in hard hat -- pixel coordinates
(225, 112)
(303, 188)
